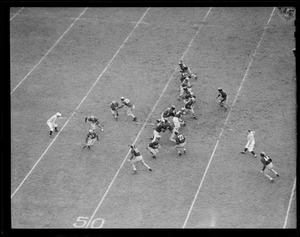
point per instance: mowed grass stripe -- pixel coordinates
(222, 129)
(146, 122)
(54, 139)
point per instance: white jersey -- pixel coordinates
(52, 119)
(250, 136)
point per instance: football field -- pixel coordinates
(76, 61)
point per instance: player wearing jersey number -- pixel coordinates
(180, 143)
(250, 143)
(267, 166)
(130, 107)
(51, 122)
(186, 69)
(114, 107)
(168, 112)
(136, 157)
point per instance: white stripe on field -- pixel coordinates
(77, 106)
(16, 14)
(142, 128)
(289, 206)
(48, 51)
(222, 129)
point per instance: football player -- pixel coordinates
(180, 143)
(250, 143)
(189, 106)
(168, 112)
(153, 147)
(94, 122)
(91, 138)
(136, 157)
(51, 122)
(130, 106)
(114, 106)
(267, 166)
(185, 69)
(223, 95)
(178, 119)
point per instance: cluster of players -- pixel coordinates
(163, 124)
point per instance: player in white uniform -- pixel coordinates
(52, 122)
(250, 143)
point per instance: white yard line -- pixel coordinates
(289, 206)
(142, 128)
(217, 143)
(16, 14)
(48, 51)
(79, 104)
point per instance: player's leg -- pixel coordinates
(130, 113)
(270, 167)
(143, 162)
(133, 165)
(152, 152)
(193, 112)
(51, 127)
(266, 171)
(55, 127)
(251, 147)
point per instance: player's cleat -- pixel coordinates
(154, 157)
(277, 175)
(179, 153)
(255, 156)
(194, 117)
(272, 180)
(134, 172)
(242, 152)
(150, 169)
(56, 130)
(135, 119)
(184, 151)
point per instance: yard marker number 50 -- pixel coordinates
(82, 221)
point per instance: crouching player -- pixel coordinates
(136, 157)
(153, 147)
(52, 124)
(180, 143)
(223, 101)
(91, 139)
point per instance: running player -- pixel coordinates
(160, 127)
(153, 147)
(130, 106)
(267, 166)
(180, 143)
(223, 95)
(250, 143)
(135, 157)
(185, 87)
(114, 106)
(51, 122)
(168, 112)
(91, 139)
(94, 122)
(189, 106)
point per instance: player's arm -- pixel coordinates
(264, 163)
(86, 140)
(97, 137)
(85, 119)
(130, 158)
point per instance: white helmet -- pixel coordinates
(92, 117)
(90, 131)
(122, 98)
(58, 114)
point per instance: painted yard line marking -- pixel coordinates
(142, 128)
(102, 21)
(77, 107)
(222, 129)
(16, 14)
(289, 206)
(48, 51)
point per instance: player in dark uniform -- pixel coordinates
(189, 106)
(153, 147)
(185, 69)
(114, 106)
(136, 157)
(94, 122)
(91, 139)
(168, 112)
(267, 166)
(223, 96)
(157, 130)
(180, 143)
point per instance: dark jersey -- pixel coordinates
(266, 160)
(222, 94)
(189, 104)
(135, 152)
(183, 67)
(114, 106)
(180, 139)
(92, 120)
(169, 112)
(168, 125)
(159, 128)
(92, 135)
(154, 145)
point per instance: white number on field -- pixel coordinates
(81, 222)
